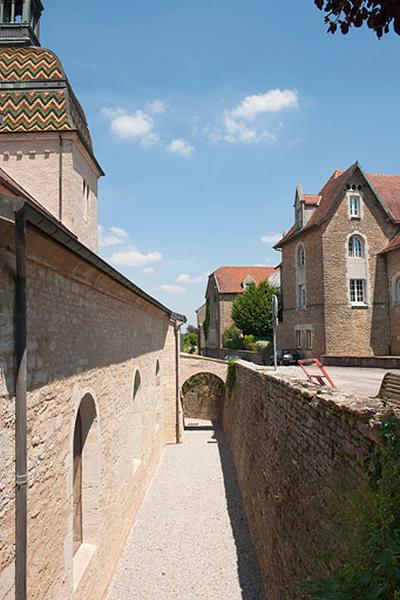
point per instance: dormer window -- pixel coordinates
(299, 217)
(247, 282)
(354, 206)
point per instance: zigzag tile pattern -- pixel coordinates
(18, 64)
(33, 111)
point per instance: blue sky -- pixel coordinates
(205, 115)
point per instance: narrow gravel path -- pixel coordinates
(191, 538)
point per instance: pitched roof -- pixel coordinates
(230, 279)
(386, 188)
(35, 95)
(393, 244)
(45, 222)
(311, 199)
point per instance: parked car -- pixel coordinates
(286, 357)
(231, 357)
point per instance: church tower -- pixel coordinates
(45, 144)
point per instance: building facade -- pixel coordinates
(45, 143)
(224, 285)
(91, 358)
(340, 270)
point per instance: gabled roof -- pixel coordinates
(385, 187)
(230, 279)
(312, 199)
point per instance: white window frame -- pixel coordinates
(298, 339)
(351, 246)
(354, 206)
(357, 292)
(301, 296)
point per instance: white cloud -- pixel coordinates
(113, 236)
(186, 278)
(180, 146)
(238, 123)
(148, 270)
(172, 289)
(130, 257)
(127, 125)
(271, 238)
(156, 107)
(272, 101)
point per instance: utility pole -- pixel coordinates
(275, 308)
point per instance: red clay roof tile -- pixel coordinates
(387, 187)
(230, 279)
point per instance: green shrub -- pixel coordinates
(206, 323)
(232, 338)
(231, 376)
(261, 344)
(249, 343)
(365, 530)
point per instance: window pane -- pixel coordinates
(354, 206)
(357, 291)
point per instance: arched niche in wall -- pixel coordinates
(86, 485)
(137, 422)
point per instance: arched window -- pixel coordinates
(301, 256)
(86, 478)
(356, 247)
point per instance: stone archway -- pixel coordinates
(203, 397)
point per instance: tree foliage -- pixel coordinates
(206, 324)
(252, 310)
(378, 15)
(189, 342)
(365, 530)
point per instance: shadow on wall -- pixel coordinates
(379, 331)
(248, 570)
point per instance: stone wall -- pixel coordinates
(34, 162)
(203, 397)
(338, 327)
(287, 437)
(393, 267)
(352, 330)
(87, 336)
(312, 316)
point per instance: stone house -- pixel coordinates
(89, 369)
(340, 270)
(201, 316)
(224, 285)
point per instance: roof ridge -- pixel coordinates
(382, 175)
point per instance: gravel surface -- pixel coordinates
(191, 538)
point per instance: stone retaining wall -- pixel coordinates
(286, 438)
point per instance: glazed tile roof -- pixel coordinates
(33, 64)
(35, 94)
(230, 279)
(386, 188)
